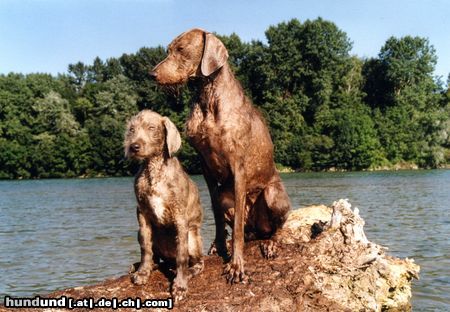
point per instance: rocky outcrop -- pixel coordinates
(325, 263)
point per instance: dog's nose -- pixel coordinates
(152, 74)
(135, 147)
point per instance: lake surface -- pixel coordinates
(56, 234)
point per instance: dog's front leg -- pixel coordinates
(219, 219)
(141, 276)
(235, 269)
(179, 287)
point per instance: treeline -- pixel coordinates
(325, 108)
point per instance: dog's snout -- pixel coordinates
(135, 147)
(153, 74)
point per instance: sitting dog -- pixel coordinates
(168, 211)
(234, 144)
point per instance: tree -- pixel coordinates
(309, 58)
(16, 99)
(295, 79)
(136, 67)
(356, 145)
(407, 115)
(324, 108)
(445, 133)
(78, 74)
(407, 61)
(97, 71)
(112, 107)
(59, 146)
(53, 113)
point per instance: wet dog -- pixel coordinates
(168, 211)
(234, 144)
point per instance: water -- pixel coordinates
(56, 234)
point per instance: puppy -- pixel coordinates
(168, 211)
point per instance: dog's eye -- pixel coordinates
(180, 49)
(131, 130)
(151, 128)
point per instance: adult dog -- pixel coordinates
(234, 143)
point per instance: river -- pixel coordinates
(62, 233)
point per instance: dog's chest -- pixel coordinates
(156, 202)
(153, 199)
(194, 125)
(203, 130)
(209, 137)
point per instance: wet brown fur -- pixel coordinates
(233, 141)
(169, 211)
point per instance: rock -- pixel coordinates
(325, 263)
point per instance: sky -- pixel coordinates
(47, 35)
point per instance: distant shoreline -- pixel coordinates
(284, 170)
(402, 166)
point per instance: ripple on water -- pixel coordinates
(62, 233)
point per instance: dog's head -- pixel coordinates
(195, 53)
(149, 134)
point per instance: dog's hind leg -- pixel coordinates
(278, 202)
(274, 205)
(195, 251)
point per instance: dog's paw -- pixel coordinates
(234, 271)
(219, 251)
(196, 268)
(269, 249)
(212, 249)
(134, 267)
(140, 277)
(179, 289)
(215, 249)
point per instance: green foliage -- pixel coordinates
(325, 108)
(407, 62)
(356, 144)
(408, 110)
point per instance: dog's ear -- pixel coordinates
(173, 138)
(214, 54)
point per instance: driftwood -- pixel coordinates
(325, 263)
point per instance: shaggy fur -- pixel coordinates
(169, 211)
(234, 144)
